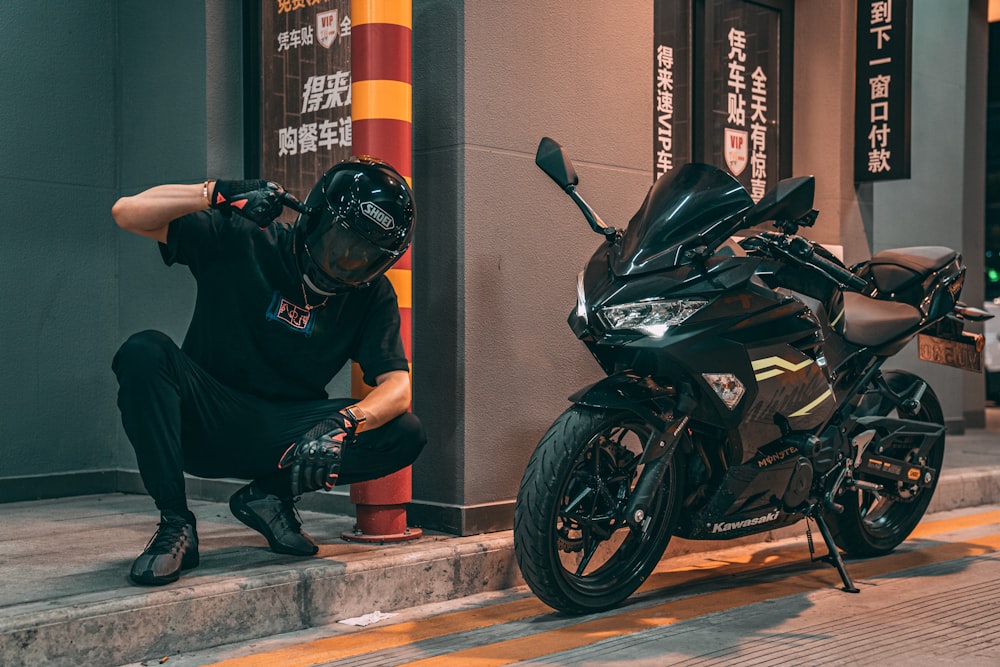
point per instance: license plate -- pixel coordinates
(965, 353)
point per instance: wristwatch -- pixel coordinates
(357, 415)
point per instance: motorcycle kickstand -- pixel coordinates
(833, 556)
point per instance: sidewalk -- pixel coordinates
(66, 599)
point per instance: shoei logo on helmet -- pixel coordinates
(377, 215)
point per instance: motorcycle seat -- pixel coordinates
(872, 322)
(899, 268)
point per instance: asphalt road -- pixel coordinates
(934, 601)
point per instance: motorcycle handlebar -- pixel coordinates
(804, 250)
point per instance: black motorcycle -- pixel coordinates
(744, 388)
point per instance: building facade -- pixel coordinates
(111, 99)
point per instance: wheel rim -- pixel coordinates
(595, 550)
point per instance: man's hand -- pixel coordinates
(256, 200)
(315, 458)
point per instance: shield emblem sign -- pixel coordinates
(735, 149)
(327, 28)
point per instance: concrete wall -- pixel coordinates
(942, 203)
(499, 246)
(58, 267)
(100, 101)
(180, 96)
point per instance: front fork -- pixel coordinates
(665, 409)
(664, 445)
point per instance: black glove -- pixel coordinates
(315, 458)
(256, 200)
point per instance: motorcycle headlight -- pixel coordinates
(581, 298)
(652, 318)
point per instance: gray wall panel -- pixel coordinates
(57, 262)
(927, 208)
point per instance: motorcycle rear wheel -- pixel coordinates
(873, 524)
(574, 548)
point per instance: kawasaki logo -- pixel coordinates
(377, 215)
(745, 523)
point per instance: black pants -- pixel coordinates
(179, 418)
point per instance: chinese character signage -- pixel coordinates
(722, 88)
(305, 94)
(742, 109)
(882, 96)
(671, 85)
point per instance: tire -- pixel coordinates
(872, 525)
(571, 541)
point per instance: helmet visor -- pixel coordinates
(338, 255)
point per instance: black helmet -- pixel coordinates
(360, 221)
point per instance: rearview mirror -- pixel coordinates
(552, 159)
(790, 199)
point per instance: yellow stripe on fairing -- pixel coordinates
(804, 411)
(780, 363)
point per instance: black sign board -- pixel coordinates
(722, 87)
(742, 110)
(305, 90)
(882, 94)
(672, 64)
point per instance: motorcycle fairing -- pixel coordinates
(698, 206)
(629, 391)
(793, 393)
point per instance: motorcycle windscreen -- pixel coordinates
(699, 200)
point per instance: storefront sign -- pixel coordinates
(305, 94)
(719, 70)
(882, 96)
(742, 120)
(671, 85)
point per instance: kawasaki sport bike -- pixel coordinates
(744, 388)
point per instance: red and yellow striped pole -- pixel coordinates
(382, 118)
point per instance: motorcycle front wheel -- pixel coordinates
(574, 548)
(873, 524)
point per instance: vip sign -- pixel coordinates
(327, 28)
(735, 147)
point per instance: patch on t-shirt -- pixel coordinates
(294, 317)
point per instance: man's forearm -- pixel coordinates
(389, 399)
(150, 212)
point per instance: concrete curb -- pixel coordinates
(85, 631)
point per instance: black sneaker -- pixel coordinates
(173, 548)
(274, 518)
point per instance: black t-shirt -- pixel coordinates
(250, 329)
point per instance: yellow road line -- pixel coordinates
(400, 634)
(391, 636)
(928, 528)
(629, 622)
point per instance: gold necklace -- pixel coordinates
(306, 299)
